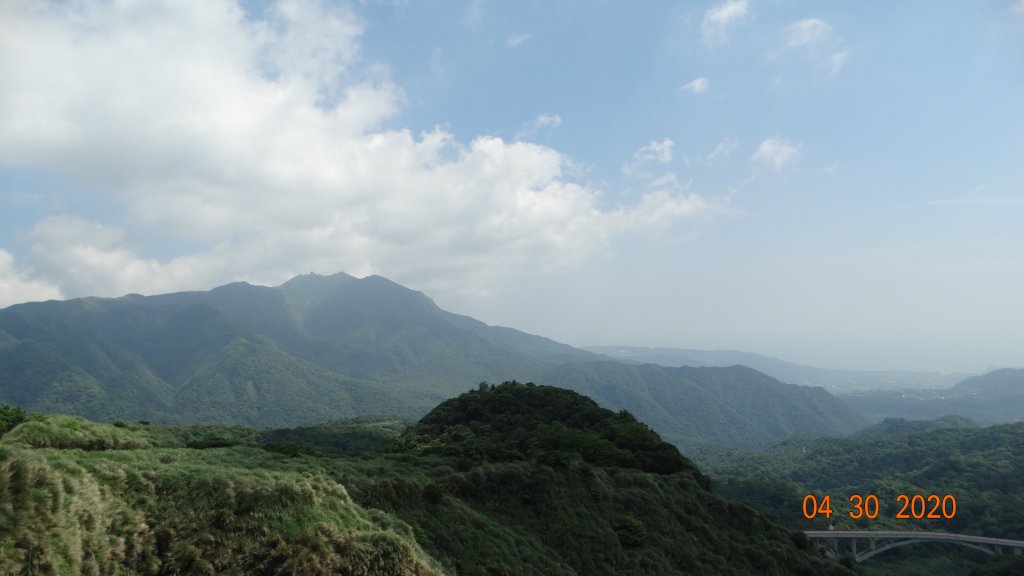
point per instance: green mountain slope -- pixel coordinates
(513, 479)
(735, 406)
(894, 426)
(833, 380)
(981, 468)
(325, 347)
(1007, 382)
(311, 349)
(992, 398)
(254, 382)
(186, 362)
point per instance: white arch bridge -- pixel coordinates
(878, 541)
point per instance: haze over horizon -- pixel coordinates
(833, 185)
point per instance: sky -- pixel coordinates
(835, 184)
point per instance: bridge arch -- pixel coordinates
(881, 541)
(897, 543)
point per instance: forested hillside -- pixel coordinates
(511, 479)
(734, 406)
(324, 347)
(981, 468)
(312, 347)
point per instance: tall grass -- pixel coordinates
(182, 511)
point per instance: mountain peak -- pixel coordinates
(318, 279)
(336, 344)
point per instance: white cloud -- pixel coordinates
(661, 207)
(722, 149)
(537, 124)
(808, 32)
(259, 145)
(1018, 8)
(815, 40)
(720, 18)
(654, 152)
(776, 152)
(309, 40)
(17, 287)
(698, 85)
(516, 39)
(90, 258)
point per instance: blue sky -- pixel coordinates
(837, 184)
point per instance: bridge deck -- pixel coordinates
(917, 535)
(890, 539)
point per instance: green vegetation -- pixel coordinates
(1002, 567)
(692, 407)
(188, 511)
(11, 416)
(350, 436)
(510, 479)
(897, 426)
(68, 432)
(546, 424)
(980, 467)
(927, 559)
(321, 348)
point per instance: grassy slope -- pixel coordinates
(80, 497)
(136, 508)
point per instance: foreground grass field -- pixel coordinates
(512, 479)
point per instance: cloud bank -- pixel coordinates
(260, 144)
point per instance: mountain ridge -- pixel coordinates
(711, 405)
(835, 380)
(322, 347)
(995, 397)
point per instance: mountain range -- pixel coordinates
(318, 348)
(835, 381)
(993, 398)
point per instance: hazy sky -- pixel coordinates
(839, 184)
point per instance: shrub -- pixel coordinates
(11, 416)
(632, 532)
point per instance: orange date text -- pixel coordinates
(910, 506)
